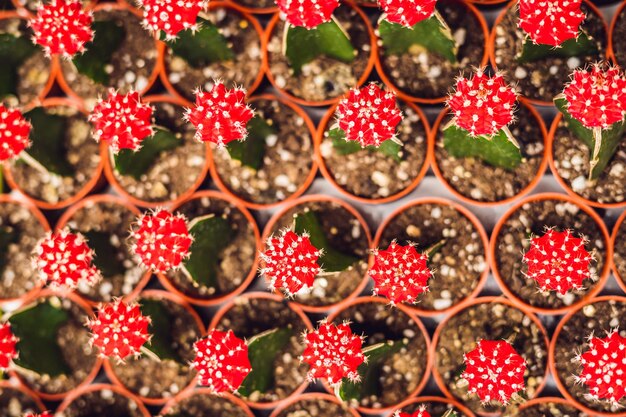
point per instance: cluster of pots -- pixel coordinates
(460, 306)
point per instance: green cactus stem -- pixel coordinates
(390, 148)
(137, 163)
(432, 34)
(250, 152)
(161, 344)
(93, 63)
(203, 47)
(14, 50)
(301, 45)
(499, 150)
(584, 45)
(602, 143)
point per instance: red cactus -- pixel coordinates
(597, 98)
(161, 240)
(122, 120)
(482, 105)
(62, 27)
(369, 115)
(407, 12)
(421, 412)
(14, 132)
(604, 367)
(8, 343)
(494, 371)
(290, 262)
(119, 330)
(400, 273)
(172, 16)
(221, 361)
(558, 261)
(550, 22)
(64, 259)
(44, 414)
(333, 353)
(220, 115)
(307, 13)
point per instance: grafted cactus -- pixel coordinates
(482, 108)
(593, 104)
(221, 361)
(172, 16)
(8, 343)
(14, 135)
(62, 27)
(123, 121)
(65, 260)
(494, 371)
(552, 28)
(421, 412)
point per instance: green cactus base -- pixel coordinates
(584, 45)
(205, 46)
(250, 152)
(342, 146)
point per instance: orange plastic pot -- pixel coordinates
(54, 67)
(110, 372)
(204, 392)
(110, 175)
(271, 26)
(101, 387)
(255, 10)
(431, 399)
(100, 199)
(7, 198)
(477, 225)
(311, 396)
(319, 138)
(96, 178)
(15, 385)
(604, 275)
(620, 279)
(529, 187)
(217, 4)
(309, 178)
(158, 45)
(483, 300)
(611, 48)
(437, 100)
(271, 224)
(47, 293)
(411, 314)
(266, 296)
(555, 172)
(492, 41)
(257, 236)
(551, 362)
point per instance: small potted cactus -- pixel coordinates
(481, 136)
(586, 356)
(314, 404)
(154, 160)
(217, 42)
(103, 47)
(26, 73)
(550, 281)
(271, 371)
(618, 243)
(424, 44)
(62, 163)
(100, 400)
(588, 153)
(538, 42)
(480, 330)
(53, 356)
(430, 406)
(222, 259)
(16, 400)
(104, 221)
(21, 227)
(453, 243)
(319, 51)
(376, 150)
(396, 352)
(161, 373)
(339, 238)
(203, 401)
(275, 162)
